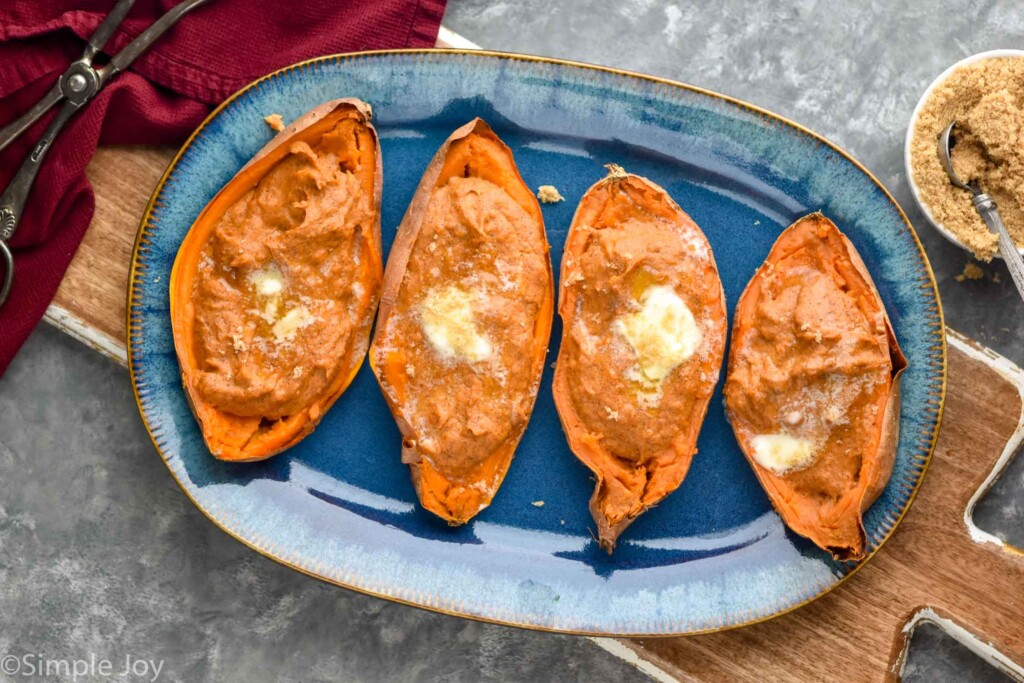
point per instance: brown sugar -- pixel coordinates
(986, 99)
(972, 271)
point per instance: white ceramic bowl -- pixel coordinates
(943, 230)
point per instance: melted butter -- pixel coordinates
(287, 327)
(269, 312)
(269, 287)
(449, 323)
(663, 332)
(781, 453)
(267, 282)
(640, 281)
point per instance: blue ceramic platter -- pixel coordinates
(340, 506)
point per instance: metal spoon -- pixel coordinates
(986, 209)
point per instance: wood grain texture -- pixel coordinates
(855, 633)
(95, 285)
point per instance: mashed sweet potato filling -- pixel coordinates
(810, 382)
(274, 287)
(621, 384)
(280, 284)
(644, 336)
(464, 322)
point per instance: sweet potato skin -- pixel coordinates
(890, 436)
(617, 479)
(457, 499)
(877, 465)
(229, 437)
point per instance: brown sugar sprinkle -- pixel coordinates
(972, 271)
(986, 99)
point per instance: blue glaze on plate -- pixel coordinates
(340, 505)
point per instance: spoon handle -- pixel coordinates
(987, 208)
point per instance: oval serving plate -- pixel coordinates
(340, 506)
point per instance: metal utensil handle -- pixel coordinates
(12, 202)
(22, 123)
(54, 95)
(8, 265)
(122, 59)
(987, 208)
(106, 29)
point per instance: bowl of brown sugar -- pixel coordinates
(984, 94)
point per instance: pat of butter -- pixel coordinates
(290, 323)
(267, 282)
(781, 453)
(269, 313)
(663, 332)
(448, 320)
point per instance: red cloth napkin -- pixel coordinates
(212, 52)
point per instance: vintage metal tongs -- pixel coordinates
(75, 87)
(986, 208)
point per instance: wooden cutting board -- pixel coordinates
(936, 567)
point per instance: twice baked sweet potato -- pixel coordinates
(275, 285)
(813, 386)
(464, 322)
(644, 328)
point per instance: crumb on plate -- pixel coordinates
(275, 121)
(549, 194)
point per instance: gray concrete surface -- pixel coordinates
(103, 555)
(935, 657)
